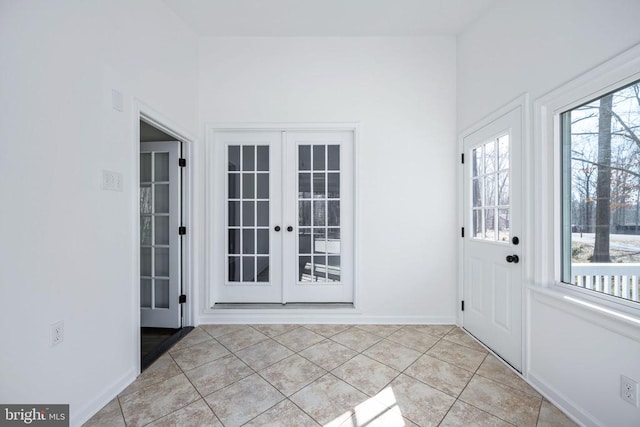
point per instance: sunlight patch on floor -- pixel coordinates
(381, 410)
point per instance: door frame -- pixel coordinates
(142, 111)
(523, 103)
(209, 293)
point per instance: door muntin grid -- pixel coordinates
(248, 197)
(154, 230)
(318, 244)
(490, 190)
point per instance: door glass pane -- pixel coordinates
(248, 157)
(304, 213)
(145, 167)
(161, 262)
(161, 198)
(145, 293)
(234, 186)
(263, 269)
(248, 182)
(248, 241)
(145, 199)
(162, 293)
(161, 230)
(319, 212)
(319, 185)
(234, 268)
(333, 269)
(248, 269)
(304, 157)
(318, 158)
(333, 157)
(319, 268)
(161, 166)
(145, 262)
(304, 185)
(304, 244)
(248, 214)
(145, 230)
(234, 213)
(490, 190)
(319, 241)
(234, 241)
(263, 157)
(304, 268)
(263, 214)
(262, 246)
(234, 157)
(333, 240)
(333, 213)
(263, 186)
(333, 185)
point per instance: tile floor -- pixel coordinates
(329, 375)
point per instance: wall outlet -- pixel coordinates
(57, 333)
(111, 180)
(629, 390)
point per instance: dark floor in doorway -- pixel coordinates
(154, 342)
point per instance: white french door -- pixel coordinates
(159, 239)
(288, 217)
(492, 275)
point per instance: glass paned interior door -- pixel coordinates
(248, 210)
(154, 230)
(490, 205)
(318, 204)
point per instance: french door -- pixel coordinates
(493, 282)
(287, 217)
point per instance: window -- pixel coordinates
(600, 143)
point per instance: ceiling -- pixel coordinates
(326, 18)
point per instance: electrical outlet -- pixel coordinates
(629, 390)
(111, 180)
(57, 333)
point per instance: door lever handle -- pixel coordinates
(289, 228)
(513, 258)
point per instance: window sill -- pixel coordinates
(613, 320)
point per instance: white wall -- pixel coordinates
(402, 91)
(66, 250)
(535, 47)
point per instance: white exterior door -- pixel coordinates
(159, 239)
(287, 217)
(492, 275)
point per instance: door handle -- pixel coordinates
(289, 228)
(513, 258)
(277, 228)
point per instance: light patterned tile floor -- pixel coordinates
(329, 375)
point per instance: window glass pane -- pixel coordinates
(162, 293)
(248, 185)
(601, 194)
(145, 199)
(145, 261)
(476, 162)
(248, 236)
(503, 152)
(234, 269)
(490, 157)
(248, 268)
(248, 157)
(145, 172)
(304, 157)
(161, 167)
(489, 224)
(161, 262)
(490, 190)
(161, 230)
(263, 241)
(333, 157)
(477, 192)
(161, 198)
(234, 186)
(318, 157)
(263, 157)
(234, 157)
(503, 188)
(477, 224)
(503, 225)
(145, 230)
(263, 185)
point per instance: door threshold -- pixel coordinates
(291, 305)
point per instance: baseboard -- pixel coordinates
(242, 316)
(82, 415)
(578, 414)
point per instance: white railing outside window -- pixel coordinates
(615, 279)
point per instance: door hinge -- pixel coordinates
(462, 158)
(182, 230)
(461, 231)
(182, 162)
(182, 299)
(462, 305)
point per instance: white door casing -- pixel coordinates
(492, 255)
(295, 252)
(160, 212)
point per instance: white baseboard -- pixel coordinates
(572, 410)
(82, 415)
(242, 316)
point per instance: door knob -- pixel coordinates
(513, 258)
(515, 240)
(277, 228)
(289, 228)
